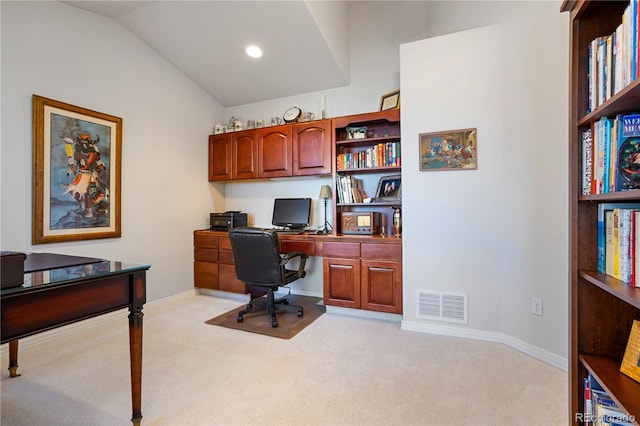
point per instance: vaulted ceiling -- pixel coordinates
(305, 44)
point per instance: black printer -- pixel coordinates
(227, 220)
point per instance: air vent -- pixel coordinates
(442, 306)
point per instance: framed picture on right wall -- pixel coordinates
(449, 150)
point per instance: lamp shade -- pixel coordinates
(325, 191)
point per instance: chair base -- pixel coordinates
(272, 307)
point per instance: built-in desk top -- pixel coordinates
(314, 244)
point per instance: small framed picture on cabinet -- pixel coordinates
(390, 100)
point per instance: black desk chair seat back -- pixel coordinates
(259, 263)
(256, 256)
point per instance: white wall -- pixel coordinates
(67, 54)
(498, 233)
(522, 164)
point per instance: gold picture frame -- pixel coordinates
(449, 150)
(76, 183)
(631, 360)
(390, 100)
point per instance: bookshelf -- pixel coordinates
(602, 308)
(367, 148)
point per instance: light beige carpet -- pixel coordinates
(289, 323)
(340, 371)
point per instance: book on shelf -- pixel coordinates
(618, 227)
(384, 154)
(599, 408)
(612, 59)
(611, 155)
(349, 189)
(587, 162)
(628, 148)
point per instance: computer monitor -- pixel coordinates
(291, 213)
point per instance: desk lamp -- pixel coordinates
(325, 194)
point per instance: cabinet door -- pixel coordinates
(381, 286)
(245, 155)
(205, 275)
(274, 151)
(227, 279)
(220, 157)
(341, 282)
(312, 148)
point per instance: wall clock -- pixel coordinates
(292, 115)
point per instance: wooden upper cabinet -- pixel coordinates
(274, 151)
(312, 148)
(220, 157)
(245, 155)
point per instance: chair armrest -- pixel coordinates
(288, 256)
(295, 254)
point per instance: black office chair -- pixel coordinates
(258, 263)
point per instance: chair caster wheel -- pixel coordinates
(274, 323)
(239, 318)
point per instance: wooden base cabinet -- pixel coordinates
(356, 277)
(213, 266)
(341, 282)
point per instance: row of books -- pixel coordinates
(379, 155)
(613, 59)
(349, 189)
(600, 409)
(619, 241)
(611, 155)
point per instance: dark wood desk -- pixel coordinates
(61, 296)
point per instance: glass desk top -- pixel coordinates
(51, 277)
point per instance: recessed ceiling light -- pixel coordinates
(254, 51)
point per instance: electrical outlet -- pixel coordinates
(536, 306)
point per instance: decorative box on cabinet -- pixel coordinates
(602, 308)
(383, 138)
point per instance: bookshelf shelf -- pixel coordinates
(633, 195)
(625, 100)
(617, 288)
(366, 178)
(367, 141)
(601, 308)
(390, 169)
(622, 389)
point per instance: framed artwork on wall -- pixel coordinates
(450, 150)
(76, 183)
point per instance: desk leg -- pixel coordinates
(13, 358)
(135, 352)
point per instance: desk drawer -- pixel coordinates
(204, 239)
(332, 249)
(225, 256)
(225, 243)
(381, 251)
(205, 255)
(307, 247)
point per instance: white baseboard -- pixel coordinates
(362, 313)
(489, 336)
